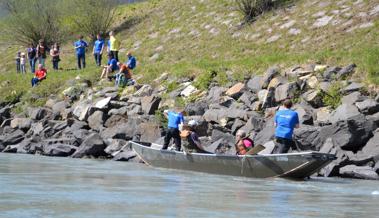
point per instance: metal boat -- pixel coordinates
(291, 165)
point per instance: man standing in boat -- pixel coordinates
(175, 120)
(285, 121)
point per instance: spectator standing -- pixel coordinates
(32, 54)
(98, 50)
(175, 122)
(23, 63)
(41, 52)
(18, 64)
(55, 56)
(40, 75)
(114, 45)
(80, 47)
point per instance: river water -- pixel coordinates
(36, 186)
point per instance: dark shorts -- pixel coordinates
(282, 145)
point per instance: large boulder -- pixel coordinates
(12, 138)
(322, 116)
(215, 93)
(39, 113)
(92, 146)
(236, 90)
(368, 106)
(114, 146)
(305, 113)
(102, 103)
(150, 104)
(360, 172)
(59, 150)
(314, 98)
(284, 91)
(118, 131)
(145, 90)
(372, 146)
(308, 137)
(115, 120)
(352, 98)
(353, 87)
(265, 135)
(345, 112)
(196, 108)
(96, 120)
(149, 132)
(21, 123)
(255, 123)
(215, 115)
(331, 72)
(255, 84)
(81, 111)
(346, 71)
(269, 75)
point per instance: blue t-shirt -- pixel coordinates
(285, 120)
(81, 44)
(131, 62)
(98, 46)
(113, 63)
(174, 119)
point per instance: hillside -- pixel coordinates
(189, 38)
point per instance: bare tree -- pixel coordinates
(92, 17)
(30, 20)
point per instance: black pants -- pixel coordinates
(172, 133)
(81, 61)
(282, 145)
(115, 55)
(97, 59)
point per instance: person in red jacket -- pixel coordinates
(39, 75)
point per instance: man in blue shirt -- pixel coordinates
(285, 121)
(80, 47)
(175, 120)
(98, 50)
(110, 67)
(131, 63)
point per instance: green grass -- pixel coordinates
(196, 38)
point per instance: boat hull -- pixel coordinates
(293, 165)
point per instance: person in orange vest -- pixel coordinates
(39, 75)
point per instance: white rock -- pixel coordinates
(273, 38)
(294, 31)
(288, 24)
(103, 103)
(323, 21)
(189, 90)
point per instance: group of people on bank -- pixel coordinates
(286, 120)
(114, 69)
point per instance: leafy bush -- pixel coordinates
(333, 97)
(252, 8)
(204, 80)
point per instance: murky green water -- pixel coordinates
(33, 186)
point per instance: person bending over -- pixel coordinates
(285, 121)
(192, 142)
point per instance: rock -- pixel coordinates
(372, 146)
(322, 21)
(255, 84)
(276, 81)
(247, 98)
(39, 113)
(110, 89)
(21, 123)
(125, 155)
(115, 146)
(50, 103)
(287, 90)
(312, 82)
(353, 87)
(314, 98)
(145, 90)
(307, 137)
(59, 150)
(215, 115)
(368, 106)
(265, 135)
(236, 90)
(115, 120)
(344, 112)
(255, 123)
(325, 86)
(331, 72)
(269, 147)
(121, 112)
(346, 71)
(305, 114)
(215, 93)
(323, 116)
(362, 172)
(76, 125)
(149, 132)
(59, 107)
(377, 98)
(117, 104)
(269, 99)
(93, 145)
(96, 120)
(103, 103)
(269, 75)
(73, 92)
(150, 104)
(236, 125)
(196, 108)
(81, 111)
(188, 91)
(12, 138)
(352, 98)
(134, 110)
(22, 147)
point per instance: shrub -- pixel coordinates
(252, 8)
(333, 97)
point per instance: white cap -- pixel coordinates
(193, 123)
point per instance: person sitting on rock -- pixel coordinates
(110, 67)
(285, 121)
(192, 143)
(243, 143)
(39, 75)
(175, 122)
(124, 76)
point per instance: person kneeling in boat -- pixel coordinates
(243, 143)
(191, 142)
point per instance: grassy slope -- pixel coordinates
(192, 37)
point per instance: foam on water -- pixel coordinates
(375, 193)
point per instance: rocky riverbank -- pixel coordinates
(338, 115)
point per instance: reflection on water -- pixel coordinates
(33, 186)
